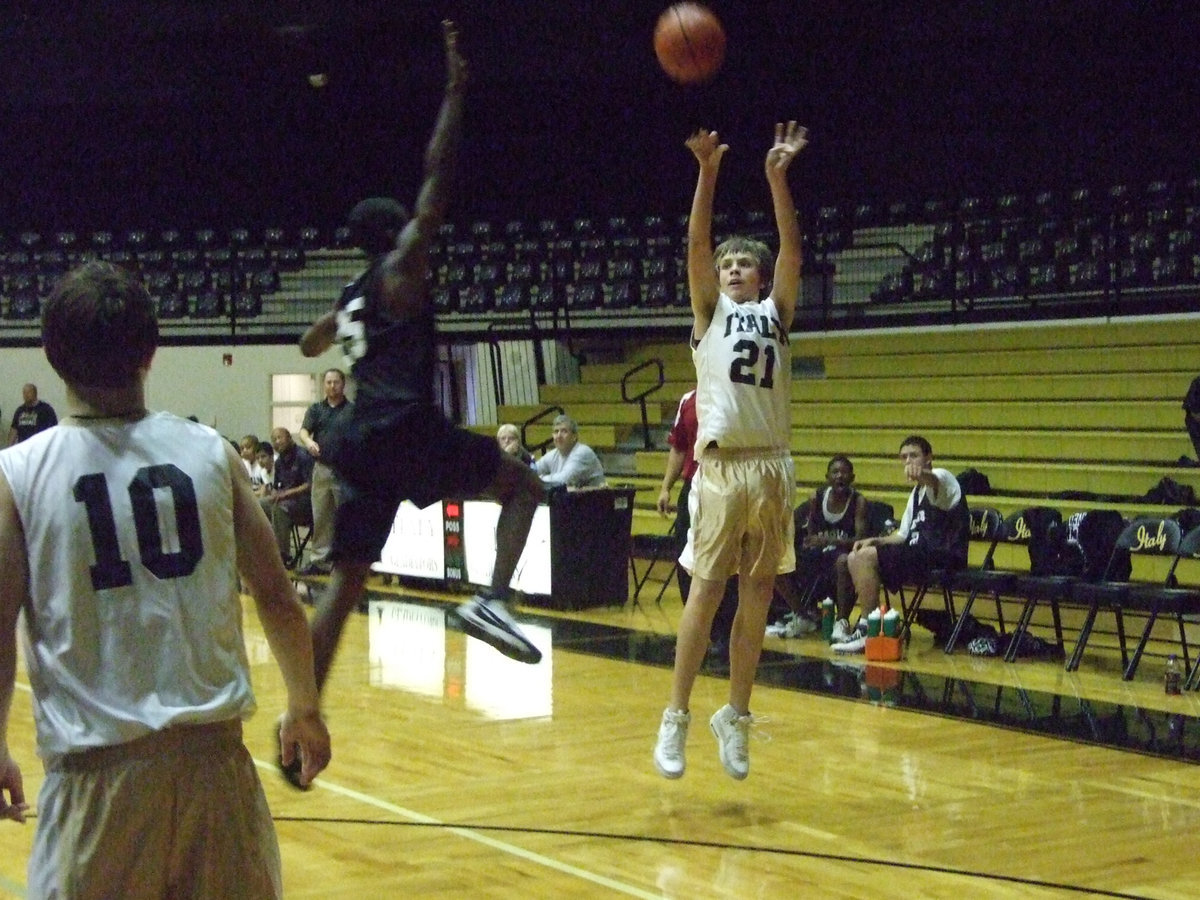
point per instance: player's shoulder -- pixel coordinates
(184, 431)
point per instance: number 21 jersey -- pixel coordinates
(743, 378)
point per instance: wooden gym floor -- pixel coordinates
(460, 774)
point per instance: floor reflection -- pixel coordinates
(410, 648)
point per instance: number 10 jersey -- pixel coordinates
(134, 622)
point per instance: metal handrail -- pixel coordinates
(537, 417)
(641, 398)
(496, 363)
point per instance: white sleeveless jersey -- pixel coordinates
(134, 622)
(743, 378)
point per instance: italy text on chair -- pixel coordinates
(1040, 529)
(1170, 599)
(1142, 539)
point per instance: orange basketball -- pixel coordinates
(689, 42)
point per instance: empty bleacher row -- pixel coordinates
(204, 275)
(1077, 243)
(1137, 242)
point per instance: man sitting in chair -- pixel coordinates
(933, 533)
(570, 464)
(288, 503)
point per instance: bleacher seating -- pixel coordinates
(1115, 250)
(1075, 414)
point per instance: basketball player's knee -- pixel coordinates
(862, 562)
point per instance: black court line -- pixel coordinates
(720, 845)
(1150, 732)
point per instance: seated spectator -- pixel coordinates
(264, 466)
(570, 464)
(508, 436)
(826, 526)
(933, 533)
(247, 450)
(288, 502)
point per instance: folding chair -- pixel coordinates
(1034, 527)
(942, 577)
(1169, 600)
(1144, 536)
(935, 579)
(299, 542)
(987, 527)
(654, 548)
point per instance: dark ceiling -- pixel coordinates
(201, 113)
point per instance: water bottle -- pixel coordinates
(874, 622)
(891, 623)
(827, 617)
(1173, 676)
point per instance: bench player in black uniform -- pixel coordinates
(398, 445)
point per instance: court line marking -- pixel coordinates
(472, 835)
(466, 833)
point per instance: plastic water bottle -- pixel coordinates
(891, 623)
(827, 617)
(1173, 676)
(874, 622)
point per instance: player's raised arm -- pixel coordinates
(703, 286)
(789, 140)
(403, 272)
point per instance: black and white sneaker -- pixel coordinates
(490, 622)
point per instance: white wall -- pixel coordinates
(189, 381)
(236, 399)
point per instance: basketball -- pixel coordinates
(689, 42)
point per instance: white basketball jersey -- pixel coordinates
(743, 378)
(134, 622)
